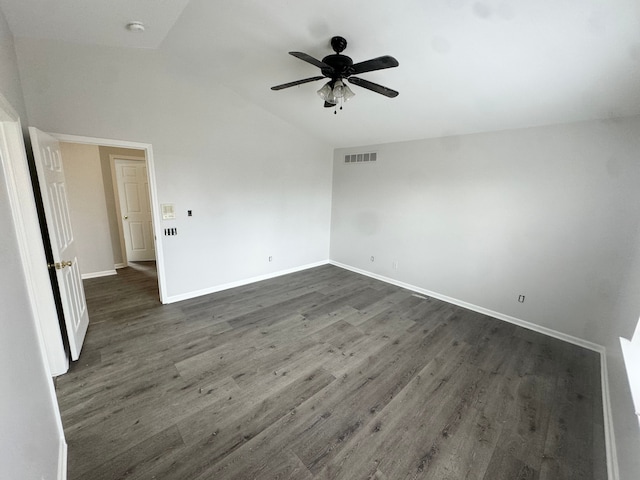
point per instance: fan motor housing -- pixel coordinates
(341, 65)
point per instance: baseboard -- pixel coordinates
(106, 273)
(118, 266)
(62, 460)
(62, 369)
(609, 435)
(500, 316)
(240, 283)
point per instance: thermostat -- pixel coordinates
(168, 212)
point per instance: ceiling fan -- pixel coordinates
(337, 68)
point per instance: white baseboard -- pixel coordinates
(106, 273)
(63, 368)
(62, 460)
(119, 265)
(240, 283)
(500, 316)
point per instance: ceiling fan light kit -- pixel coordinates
(338, 68)
(335, 92)
(326, 93)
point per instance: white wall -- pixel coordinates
(88, 207)
(258, 186)
(29, 443)
(9, 75)
(551, 213)
(31, 434)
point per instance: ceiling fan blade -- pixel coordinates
(311, 60)
(374, 87)
(378, 63)
(297, 82)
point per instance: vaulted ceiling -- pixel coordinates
(465, 66)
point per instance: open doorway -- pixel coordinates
(110, 206)
(97, 207)
(28, 228)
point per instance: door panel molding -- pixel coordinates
(48, 160)
(131, 189)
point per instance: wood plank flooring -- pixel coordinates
(322, 374)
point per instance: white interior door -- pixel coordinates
(46, 151)
(135, 209)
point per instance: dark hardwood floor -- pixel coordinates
(322, 374)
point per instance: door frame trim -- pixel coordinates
(30, 243)
(33, 260)
(153, 191)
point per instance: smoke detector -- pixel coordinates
(136, 27)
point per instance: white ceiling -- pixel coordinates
(465, 66)
(101, 22)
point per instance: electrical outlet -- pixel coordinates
(270, 258)
(372, 258)
(395, 264)
(521, 298)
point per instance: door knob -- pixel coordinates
(126, 216)
(60, 265)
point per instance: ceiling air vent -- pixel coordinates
(361, 157)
